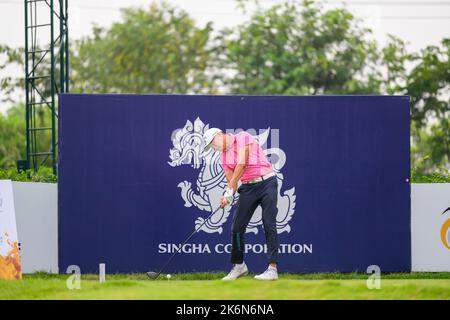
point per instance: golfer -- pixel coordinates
(243, 159)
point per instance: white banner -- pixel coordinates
(10, 267)
(430, 227)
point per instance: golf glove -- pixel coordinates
(228, 195)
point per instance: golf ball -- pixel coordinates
(168, 277)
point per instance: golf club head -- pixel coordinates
(153, 275)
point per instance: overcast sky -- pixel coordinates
(421, 23)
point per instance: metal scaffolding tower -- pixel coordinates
(46, 75)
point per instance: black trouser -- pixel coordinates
(264, 193)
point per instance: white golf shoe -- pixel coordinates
(237, 271)
(270, 274)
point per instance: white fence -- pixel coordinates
(37, 225)
(430, 240)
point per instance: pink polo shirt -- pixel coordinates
(257, 164)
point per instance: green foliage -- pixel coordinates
(433, 144)
(10, 58)
(440, 175)
(159, 50)
(298, 49)
(428, 85)
(12, 136)
(12, 145)
(295, 48)
(44, 174)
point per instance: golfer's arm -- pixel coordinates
(242, 163)
(228, 175)
(238, 172)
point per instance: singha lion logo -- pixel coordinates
(211, 181)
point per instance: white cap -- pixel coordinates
(208, 137)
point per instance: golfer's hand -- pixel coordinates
(223, 202)
(227, 197)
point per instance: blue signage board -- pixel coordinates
(134, 182)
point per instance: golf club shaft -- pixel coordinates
(179, 249)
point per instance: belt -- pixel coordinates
(259, 179)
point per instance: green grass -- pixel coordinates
(209, 286)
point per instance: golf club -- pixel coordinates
(154, 275)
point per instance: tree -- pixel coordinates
(10, 58)
(12, 136)
(158, 50)
(294, 48)
(433, 144)
(428, 84)
(298, 49)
